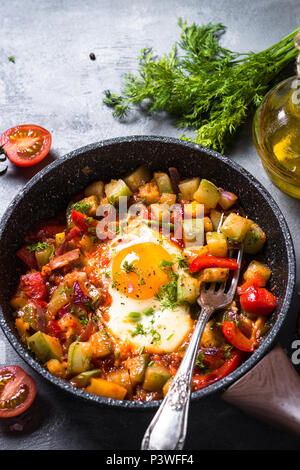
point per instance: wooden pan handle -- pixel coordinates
(270, 391)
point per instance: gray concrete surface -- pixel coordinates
(53, 83)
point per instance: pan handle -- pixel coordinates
(270, 391)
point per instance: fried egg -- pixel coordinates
(136, 317)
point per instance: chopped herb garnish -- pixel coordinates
(199, 360)
(82, 207)
(148, 311)
(166, 264)
(169, 337)
(139, 330)
(167, 294)
(117, 354)
(182, 263)
(150, 363)
(129, 268)
(40, 246)
(227, 350)
(135, 316)
(107, 274)
(11, 59)
(83, 320)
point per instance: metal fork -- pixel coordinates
(167, 429)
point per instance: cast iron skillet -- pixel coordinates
(51, 189)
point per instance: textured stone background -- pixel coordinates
(53, 83)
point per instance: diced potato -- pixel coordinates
(167, 386)
(254, 240)
(101, 345)
(256, 267)
(116, 189)
(95, 189)
(188, 187)
(93, 202)
(138, 178)
(235, 227)
(160, 212)
(187, 288)
(168, 198)
(22, 327)
(217, 243)
(193, 210)
(208, 226)
(216, 217)
(207, 194)
(56, 368)
(19, 300)
(149, 192)
(155, 377)
(120, 377)
(107, 389)
(214, 275)
(212, 336)
(163, 182)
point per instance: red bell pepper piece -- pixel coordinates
(208, 261)
(85, 223)
(54, 328)
(235, 337)
(258, 301)
(28, 257)
(255, 281)
(203, 380)
(34, 286)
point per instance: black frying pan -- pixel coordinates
(51, 189)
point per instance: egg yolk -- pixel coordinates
(137, 270)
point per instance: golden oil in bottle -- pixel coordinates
(276, 133)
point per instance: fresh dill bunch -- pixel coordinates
(207, 87)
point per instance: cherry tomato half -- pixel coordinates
(17, 391)
(26, 145)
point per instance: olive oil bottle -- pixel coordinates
(276, 133)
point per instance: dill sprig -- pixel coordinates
(207, 87)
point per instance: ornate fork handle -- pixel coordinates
(167, 430)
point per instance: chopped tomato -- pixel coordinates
(85, 223)
(235, 337)
(208, 261)
(255, 281)
(27, 257)
(34, 286)
(54, 328)
(26, 145)
(258, 300)
(18, 390)
(203, 380)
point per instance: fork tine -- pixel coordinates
(237, 272)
